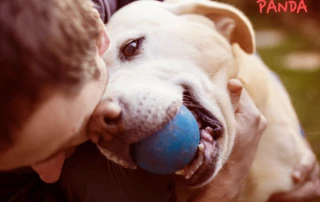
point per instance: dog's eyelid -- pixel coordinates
(130, 40)
(137, 50)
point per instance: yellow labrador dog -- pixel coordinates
(166, 54)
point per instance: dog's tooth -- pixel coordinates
(201, 147)
(200, 160)
(196, 164)
(190, 172)
(119, 161)
(180, 172)
(115, 159)
(123, 163)
(188, 176)
(191, 169)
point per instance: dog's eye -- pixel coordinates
(131, 48)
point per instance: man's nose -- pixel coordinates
(105, 121)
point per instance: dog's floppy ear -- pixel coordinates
(229, 21)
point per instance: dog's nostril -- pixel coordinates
(110, 122)
(110, 111)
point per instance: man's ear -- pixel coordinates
(229, 21)
(103, 41)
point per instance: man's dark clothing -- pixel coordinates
(24, 185)
(87, 176)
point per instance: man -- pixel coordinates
(52, 78)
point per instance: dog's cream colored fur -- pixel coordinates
(202, 44)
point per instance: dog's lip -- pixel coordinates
(203, 115)
(206, 170)
(211, 129)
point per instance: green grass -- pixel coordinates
(303, 86)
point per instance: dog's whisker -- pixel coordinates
(121, 174)
(116, 172)
(110, 166)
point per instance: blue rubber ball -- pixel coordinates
(171, 148)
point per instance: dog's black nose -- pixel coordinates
(105, 121)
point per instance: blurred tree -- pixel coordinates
(307, 24)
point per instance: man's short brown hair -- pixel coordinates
(43, 43)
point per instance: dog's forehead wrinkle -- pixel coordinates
(198, 20)
(195, 78)
(140, 12)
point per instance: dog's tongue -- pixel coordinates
(49, 171)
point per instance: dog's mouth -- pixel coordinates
(203, 166)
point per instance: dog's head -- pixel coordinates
(163, 55)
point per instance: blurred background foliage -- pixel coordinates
(289, 43)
